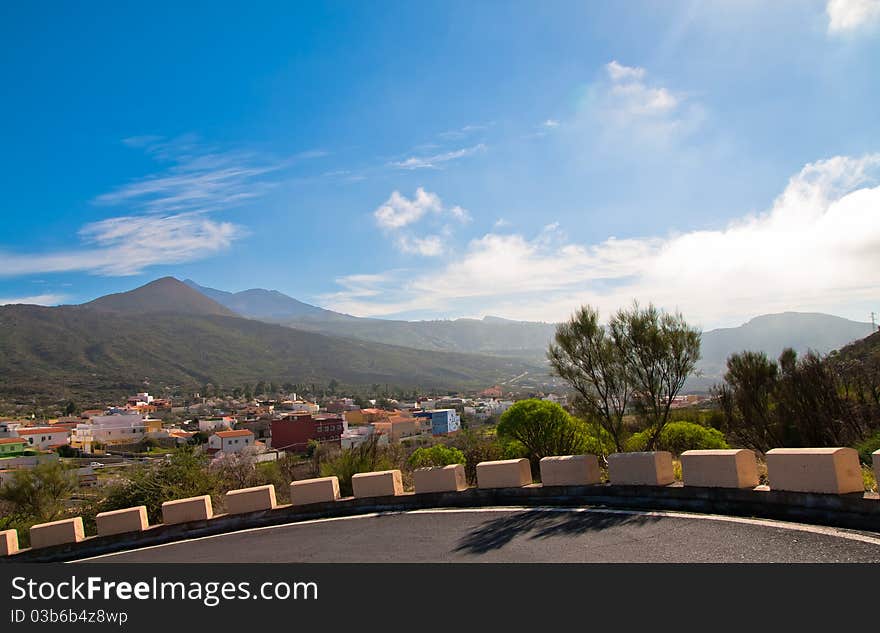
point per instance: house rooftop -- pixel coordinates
(240, 433)
(36, 430)
(11, 440)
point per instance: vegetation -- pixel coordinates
(35, 495)
(808, 401)
(640, 360)
(437, 455)
(184, 474)
(544, 429)
(364, 458)
(678, 437)
(91, 355)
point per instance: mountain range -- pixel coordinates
(167, 333)
(182, 334)
(769, 333)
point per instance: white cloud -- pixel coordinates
(816, 248)
(551, 123)
(198, 178)
(167, 213)
(435, 161)
(633, 97)
(127, 245)
(399, 212)
(627, 112)
(619, 72)
(428, 246)
(845, 16)
(40, 300)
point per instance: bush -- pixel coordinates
(364, 458)
(544, 428)
(678, 437)
(437, 455)
(867, 447)
(185, 474)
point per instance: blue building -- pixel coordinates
(443, 421)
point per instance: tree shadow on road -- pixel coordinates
(539, 524)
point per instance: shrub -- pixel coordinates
(544, 428)
(867, 446)
(365, 458)
(185, 474)
(678, 437)
(437, 455)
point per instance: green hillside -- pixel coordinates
(69, 351)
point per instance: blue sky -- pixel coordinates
(437, 160)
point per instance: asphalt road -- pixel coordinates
(523, 535)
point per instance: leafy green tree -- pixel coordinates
(39, 493)
(437, 455)
(586, 356)
(70, 408)
(659, 351)
(544, 428)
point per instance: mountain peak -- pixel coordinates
(166, 294)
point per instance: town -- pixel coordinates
(145, 427)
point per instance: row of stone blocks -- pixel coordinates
(819, 470)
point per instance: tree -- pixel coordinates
(235, 470)
(39, 492)
(586, 356)
(658, 351)
(544, 428)
(70, 408)
(745, 398)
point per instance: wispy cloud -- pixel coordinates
(463, 132)
(625, 108)
(40, 300)
(848, 16)
(167, 219)
(437, 160)
(126, 245)
(399, 212)
(816, 248)
(198, 178)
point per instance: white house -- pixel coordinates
(43, 438)
(231, 441)
(124, 428)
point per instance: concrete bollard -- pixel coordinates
(441, 479)
(823, 470)
(724, 468)
(121, 521)
(570, 470)
(641, 469)
(8, 542)
(875, 457)
(505, 473)
(383, 483)
(250, 499)
(320, 490)
(57, 533)
(186, 510)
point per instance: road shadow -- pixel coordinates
(537, 524)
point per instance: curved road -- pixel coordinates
(523, 535)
